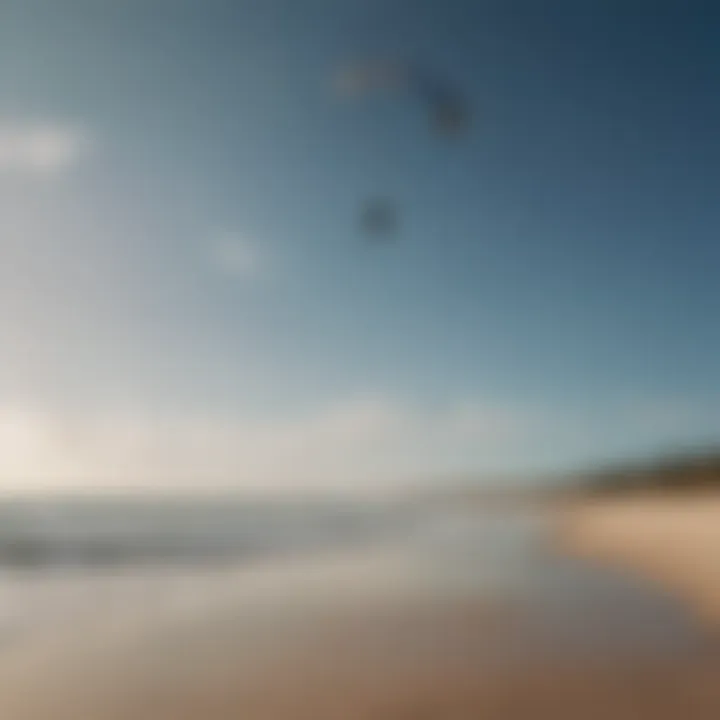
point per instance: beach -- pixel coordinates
(468, 618)
(672, 541)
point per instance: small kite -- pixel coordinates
(447, 109)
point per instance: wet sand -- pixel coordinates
(342, 677)
(393, 634)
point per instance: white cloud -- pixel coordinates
(366, 441)
(40, 148)
(235, 255)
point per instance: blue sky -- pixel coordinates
(183, 266)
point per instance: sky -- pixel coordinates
(186, 297)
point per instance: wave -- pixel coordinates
(102, 533)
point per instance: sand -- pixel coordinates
(415, 658)
(345, 671)
(671, 541)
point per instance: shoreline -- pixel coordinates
(670, 541)
(389, 652)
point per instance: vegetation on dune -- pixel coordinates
(684, 471)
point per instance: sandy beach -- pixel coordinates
(345, 672)
(382, 635)
(344, 678)
(672, 541)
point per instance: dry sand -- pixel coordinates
(673, 541)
